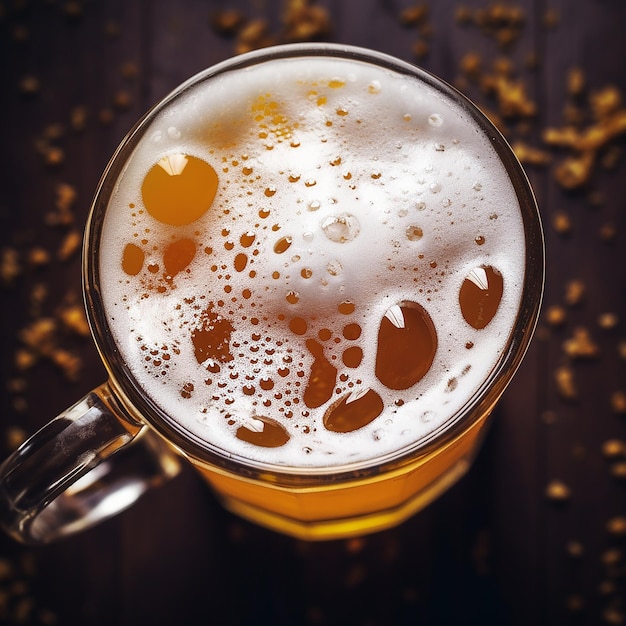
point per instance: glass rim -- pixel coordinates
(482, 400)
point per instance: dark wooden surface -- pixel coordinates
(496, 549)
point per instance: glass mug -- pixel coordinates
(311, 272)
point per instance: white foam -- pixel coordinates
(405, 159)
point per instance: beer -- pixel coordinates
(311, 265)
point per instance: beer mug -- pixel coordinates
(311, 272)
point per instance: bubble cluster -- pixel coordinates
(300, 274)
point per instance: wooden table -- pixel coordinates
(535, 534)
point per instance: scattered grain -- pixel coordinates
(580, 345)
(558, 491)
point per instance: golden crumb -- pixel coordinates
(227, 21)
(24, 359)
(37, 296)
(73, 9)
(555, 315)
(608, 321)
(471, 64)
(14, 437)
(510, 93)
(549, 417)
(105, 116)
(576, 81)
(39, 335)
(112, 29)
(614, 448)
(575, 549)
(617, 525)
(574, 292)
(29, 85)
(420, 49)
(608, 232)
(575, 604)
(253, 35)
(558, 491)
(38, 256)
(69, 363)
(564, 377)
(70, 244)
(413, 15)
(10, 267)
(54, 156)
(529, 155)
(78, 118)
(74, 319)
(551, 18)
(613, 616)
(305, 21)
(618, 470)
(122, 100)
(575, 171)
(581, 345)
(562, 222)
(618, 402)
(129, 70)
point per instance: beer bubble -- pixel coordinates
(346, 307)
(353, 411)
(298, 326)
(241, 260)
(414, 233)
(293, 297)
(435, 187)
(179, 189)
(420, 206)
(352, 331)
(480, 295)
(352, 356)
(407, 343)
(427, 416)
(247, 239)
(435, 120)
(306, 272)
(282, 244)
(479, 239)
(314, 205)
(178, 255)
(132, 259)
(334, 268)
(173, 132)
(270, 191)
(477, 186)
(341, 228)
(308, 236)
(263, 431)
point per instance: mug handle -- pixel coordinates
(86, 465)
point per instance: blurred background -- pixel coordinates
(536, 532)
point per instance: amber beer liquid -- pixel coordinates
(313, 266)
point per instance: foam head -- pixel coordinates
(312, 261)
